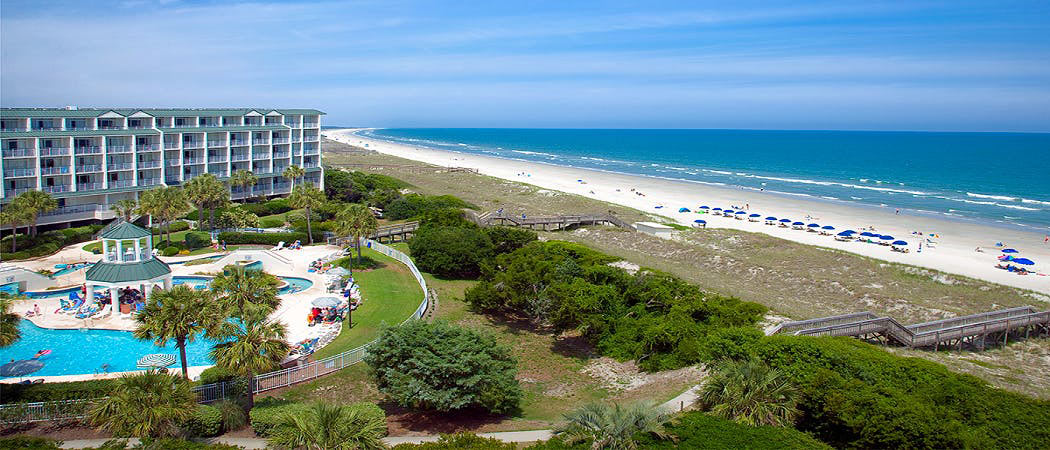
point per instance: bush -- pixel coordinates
(233, 417)
(161, 245)
(416, 205)
(460, 441)
(197, 239)
(508, 239)
(170, 251)
(233, 238)
(46, 243)
(266, 414)
(205, 422)
(438, 366)
(216, 374)
(163, 444)
(271, 222)
(450, 251)
(27, 393)
(29, 442)
(697, 430)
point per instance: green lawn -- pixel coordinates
(391, 294)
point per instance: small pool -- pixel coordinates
(295, 284)
(70, 268)
(53, 293)
(291, 286)
(193, 282)
(75, 352)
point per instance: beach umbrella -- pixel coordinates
(716, 209)
(886, 237)
(867, 234)
(813, 225)
(684, 210)
(1009, 250)
(326, 302)
(704, 207)
(755, 215)
(659, 206)
(1021, 261)
(20, 368)
(827, 227)
(846, 233)
(699, 221)
(900, 243)
(741, 212)
(849, 232)
(155, 360)
(771, 218)
(798, 223)
(785, 220)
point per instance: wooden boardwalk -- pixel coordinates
(973, 330)
(407, 168)
(547, 223)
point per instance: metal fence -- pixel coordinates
(208, 393)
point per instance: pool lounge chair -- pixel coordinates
(279, 246)
(106, 311)
(75, 308)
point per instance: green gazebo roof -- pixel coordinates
(126, 230)
(108, 272)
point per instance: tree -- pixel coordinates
(243, 179)
(253, 347)
(152, 404)
(293, 173)
(308, 197)
(611, 427)
(751, 393)
(180, 314)
(35, 203)
(15, 215)
(438, 366)
(246, 293)
(165, 203)
(203, 191)
(450, 251)
(330, 426)
(9, 332)
(124, 208)
(238, 218)
(358, 221)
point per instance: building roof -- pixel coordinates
(126, 230)
(108, 272)
(174, 112)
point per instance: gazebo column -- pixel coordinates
(90, 294)
(114, 299)
(138, 249)
(105, 249)
(120, 251)
(167, 282)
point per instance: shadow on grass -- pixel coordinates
(438, 422)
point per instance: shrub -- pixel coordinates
(197, 239)
(216, 374)
(205, 422)
(161, 245)
(29, 442)
(416, 205)
(508, 239)
(438, 366)
(266, 414)
(26, 393)
(460, 441)
(697, 430)
(163, 444)
(271, 222)
(233, 417)
(450, 251)
(237, 218)
(170, 251)
(233, 238)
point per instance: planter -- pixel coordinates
(125, 308)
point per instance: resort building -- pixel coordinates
(90, 158)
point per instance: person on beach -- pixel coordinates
(898, 211)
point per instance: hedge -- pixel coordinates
(205, 422)
(170, 251)
(266, 413)
(26, 393)
(460, 441)
(216, 374)
(233, 238)
(275, 206)
(46, 243)
(197, 239)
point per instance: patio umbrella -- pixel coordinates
(900, 243)
(338, 271)
(771, 218)
(740, 212)
(684, 210)
(704, 207)
(326, 302)
(886, 237)
(155, 360)
(699, 221)
(813, 225)
(849, 231)
(716, 209)
(659, 206)
(827, 227)
(1009, 250)
(727, 211)
(755, 215)
(798, 223)
(846, 233)
(20, 368)
(1021, 261)
(868, 234)
(785, 220)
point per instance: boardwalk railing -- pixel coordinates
(547, 222)
(208, 393)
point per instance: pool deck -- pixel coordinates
(292, 312)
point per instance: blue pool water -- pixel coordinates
(69, 269)
(84, 352)
(295, 284)
(54, 293)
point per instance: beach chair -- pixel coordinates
(279, 246)
(106, 311)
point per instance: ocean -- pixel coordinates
(997, 178)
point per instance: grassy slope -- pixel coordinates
(391, 294)
(795, 280)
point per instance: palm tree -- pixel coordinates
(180, 314)
(218, 197)
(238, 289)
(293, 173)
(175, 205)
(308, 197)
(752, 393)
(36, 203)
(358, 221)
(200, 191)
(152, 404)
(9, 332)
(150, 204)
(124, 208)
(256, 346)
(611, 427)
(14, 214)
(329, 426)
(242, 179)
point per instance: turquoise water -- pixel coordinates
(69, 269)
(997, 178)
(84, 352)
(295, 284)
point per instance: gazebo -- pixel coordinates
(127, 262)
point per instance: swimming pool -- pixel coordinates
(54, 293)
(294, 284)
(69, 268)
(75, 352)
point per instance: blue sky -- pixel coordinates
(905, 65)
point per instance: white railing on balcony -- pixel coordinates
(18, 190)
(121, 183)
(281, 154)
(193, 161)
(88, 150)
(89, 168)
(119, 166)
(216, 143)
(149, 181)
(238, 143)
(118, 149)
(310, 124)
(310, 138)
(192, 174)
(110, 127)
(239, 157)
(20, 172)
(56, 188)
(75, 209)
(216, 159)
(257, 156)
(280, 140)
(296, 139)
(218, 173)
(149, 164)
(54, 151)
(192, 144)
(260, 141)
(19, 152)
(310, 151)
(89, 186)
(171, 145)
(309, 165)
(147, 147)
(54, 170)
(172, 163)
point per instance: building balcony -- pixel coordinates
(88, 150)
(280, 140)
(184, 126)
(75, 209)
(217, 159)
(89, 168)
(121, 184)
(51, 128)
(216, 143)
(293, 124)
(211, 125)
(258, 156)
(311, 124)
(193, 144)
(139, 127)
(239, 157)
(281, 154)
(15, 173)
(193, 173)
(19, 153)
(193, 161)
(310, 165)
(114, 149)
(172, 163)
(296, 140)
(310, 151)
(54, 151)
(261, 141)
(57, 188)
(147, 147)
(149, 181)
(54, 170)
(310, 139)
(119, 166)
(171, 146)
(111, 127)
(218, 173)
(149, 164)
(171, 180)
(89, 186)
(11, 192)
(238, 143)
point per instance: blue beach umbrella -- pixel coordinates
(886, 237)
(699, 221)
(684, 210)
(716, 209)
(846, 233)
(755, 215)
(771, 218)
(798, 223)
(813, 225)
(849, 231)
(827, 227)
(659, 206)
(785, 220)
(741, 212)
(900, 243)
(1009, 250)
(868, 234)
(1022, 261)
(704, 207)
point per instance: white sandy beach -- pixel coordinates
(953, 250)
